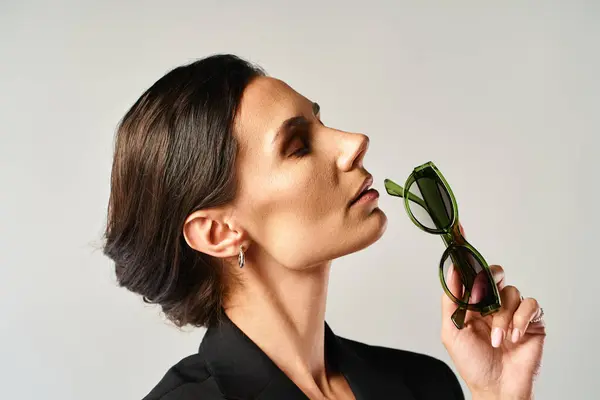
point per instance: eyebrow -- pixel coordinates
(284, 128)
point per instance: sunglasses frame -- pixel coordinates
(452, 238)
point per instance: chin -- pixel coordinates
(380, 225)
(356, 240)
(371, 231)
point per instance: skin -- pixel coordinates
(292, 216)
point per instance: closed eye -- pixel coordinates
(302, 133)
(301, 136)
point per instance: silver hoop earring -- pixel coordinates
(241, 257)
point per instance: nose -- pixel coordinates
(352, 152)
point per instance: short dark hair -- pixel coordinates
(174, 154)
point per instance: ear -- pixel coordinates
(210, 231)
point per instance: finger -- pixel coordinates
(462, 230)
(527, 310)
(511, 298)
(482, 286)
(536, 329)
(498, 274)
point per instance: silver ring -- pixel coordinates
(539, 318)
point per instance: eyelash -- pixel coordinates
(302, 151)
(305, 149)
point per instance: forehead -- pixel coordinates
(265, 91)
(265, 104)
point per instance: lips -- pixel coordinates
(363, 188)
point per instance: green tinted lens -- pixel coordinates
(470, 283)
(438, 210)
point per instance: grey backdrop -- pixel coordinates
(503, 96)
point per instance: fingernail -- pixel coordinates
(497, 337)
(516, 335)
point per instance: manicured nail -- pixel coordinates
(516, 335)
(497, 337)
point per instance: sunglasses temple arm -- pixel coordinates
(459, 315)
(398, 191)
(417, 200)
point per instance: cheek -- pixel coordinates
(304, 193)
(291, 213)
(297, 196)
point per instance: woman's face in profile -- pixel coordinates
(297, 178)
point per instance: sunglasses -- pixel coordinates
(431, 205)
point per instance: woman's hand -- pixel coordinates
(499, 355)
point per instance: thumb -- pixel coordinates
(462, 230)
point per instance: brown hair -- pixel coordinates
(174, 154)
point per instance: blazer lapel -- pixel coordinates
(242, 370)
(367, 382)
(281, 387)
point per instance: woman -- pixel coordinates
(218, 166)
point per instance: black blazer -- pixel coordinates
(229, 365)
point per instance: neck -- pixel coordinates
(283, 312)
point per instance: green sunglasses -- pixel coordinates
(431, 205)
